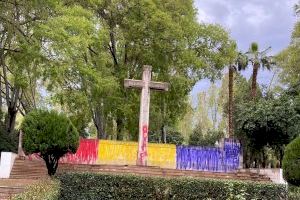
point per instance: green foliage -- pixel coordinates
(51, 135)
(291, 162)
(45, 189)
(100, 43)
(8, 143)
(198, 138)
(272, 121)
(172, 137)
(97, 186)
(294, 193)
(267, 123)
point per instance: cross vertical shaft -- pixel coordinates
(144, 117)
(146, 85)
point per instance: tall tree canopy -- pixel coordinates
(20, 58)
(94, 45)
(81, 51)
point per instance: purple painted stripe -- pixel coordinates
(209, 158)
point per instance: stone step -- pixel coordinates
(7, 192)
(183, 172)
(37, 169)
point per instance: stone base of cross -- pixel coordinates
(146, 85)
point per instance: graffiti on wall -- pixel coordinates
(117, 152)
(209, 158)
(199, 158)
(232, 150)
(87, 153)
(143, 149)
(93, 151)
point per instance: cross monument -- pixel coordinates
(146, 85)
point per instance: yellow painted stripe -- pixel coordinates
(117, 153)
(125, 153)
(162, 155)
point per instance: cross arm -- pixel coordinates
(130, 83)
(159, 86)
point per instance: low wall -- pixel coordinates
(117, 152)
(6, 163)
(87, 153)
(125, 153)
(92, 151)
(275, 174)
(223, 158)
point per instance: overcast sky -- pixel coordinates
(268, 22)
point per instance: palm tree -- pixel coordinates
(258, 59)
(240, 63)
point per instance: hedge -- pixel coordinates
(291, 162)
(85, 186)
(294, 193)
(44, 189)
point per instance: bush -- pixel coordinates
(51, 135)
(294, 193)
(198, 138)
(291, 163)
(172, 137)
(101, 186)
(46, 190)
(8, 143)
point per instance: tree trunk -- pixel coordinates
(51, 163)
(163, 134)
(119, 128)
(163, 128)
(12, 111)
(99, 122)
(230, 102)
(254, 80)
(11, 120)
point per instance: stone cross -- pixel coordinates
(145, 84)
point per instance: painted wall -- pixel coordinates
(162, 155)
(199, 158)
(223, 158)
(92, 151)
(117, 152)
(87, 153)
(125, 153)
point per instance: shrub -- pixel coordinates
(8, 142)
(49, 134)
(291, 162)
(294, 193)
(172, 137)
(46, 190)
(101, 186)
(198, 138)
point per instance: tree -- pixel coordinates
(186, 123)
(20, 56)
(107, 41)
(198, 138)
(267, 123)
(258, 59)
(240, 63)
(49, 134)
(172, 137)
(79, 74)
(201, 113)
(291, 163)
